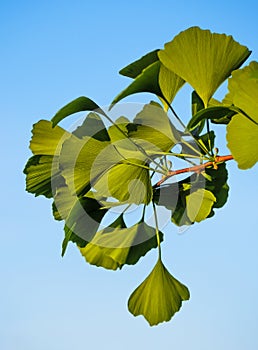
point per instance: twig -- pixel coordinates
(195, 169)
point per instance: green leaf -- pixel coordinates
(197, 105)
(82, 222)
(154, 130)
(80, 104)
(203, 59)
(135, 68)
(147, 81)
(127, 182)
(199, 204)
(47, 140)
(170, 83)
(92, 126)
(158, 297)
(242, 131)
(83, 160)
(117, 245)
(42, 170)
(43, 175)
(217, 112)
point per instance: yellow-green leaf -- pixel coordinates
(203, 59)
(242, 131)
(199, 204)
(158, 297)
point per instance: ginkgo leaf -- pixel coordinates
(158, 297)
(92, 126)
(127, 182)
(82, 221)
(199, 204)
(170, 83)
(135, 68)
(42, 170)
(154, 129)
(47, 140)
(146, 81)
(82, 160)
(242, 131)
(80, 104)
(203, 59)
(118, 245)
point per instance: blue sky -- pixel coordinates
(53, 52)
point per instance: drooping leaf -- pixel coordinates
(80, 104)
(158, 297)
(242, 131)
(135, 68)
(203, 59)
(118, 245)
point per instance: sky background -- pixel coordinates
(52, 52)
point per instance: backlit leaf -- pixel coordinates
(203, 59)
(117, 245)
(199, 204)
(158, 297)
(242, 131)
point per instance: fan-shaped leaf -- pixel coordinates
(242, 131)
(158, 297)
(203, 59)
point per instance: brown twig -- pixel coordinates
(195, 169)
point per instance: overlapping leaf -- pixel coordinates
(118, 245)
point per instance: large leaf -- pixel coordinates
(117, 245)
(199, 204)
(158, 297)
(135, 68)
(203, 59)
(242, 131)
(80, 104)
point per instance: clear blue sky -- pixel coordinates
(52, 52)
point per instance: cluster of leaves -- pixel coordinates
(95, 168)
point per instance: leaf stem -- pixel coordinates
(157, 228)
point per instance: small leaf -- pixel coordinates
(80, 104)
(159, 297)
(135, 68)
(199, 204)
(203, 59)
